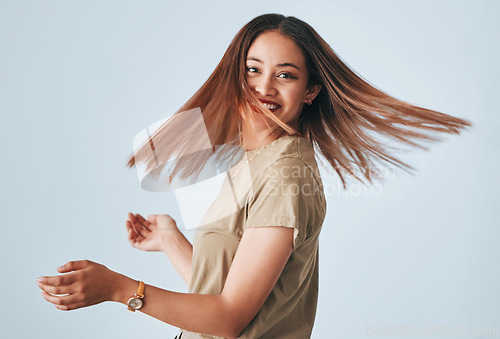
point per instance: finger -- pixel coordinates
(74, 266)
(139, 230)
(143, 221)
(138, 245)
(133, 236)
(131, 229)
(137, 224)
(132, 217)
(70, 307)
(66, 289)
(130, 234)
(130, 223)
(58, 280)
(60, 300)
(134, 239)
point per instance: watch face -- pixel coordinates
(135, 303)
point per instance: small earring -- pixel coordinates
(309, 102)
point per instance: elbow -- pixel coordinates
(227, 331)
(230, 329)
(233, 332)
(229, 323)
(236, 318)
(237, 324)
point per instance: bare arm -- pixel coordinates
(180, 252)
(160, 233)
(258, 262)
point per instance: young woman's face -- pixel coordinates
(276, 73)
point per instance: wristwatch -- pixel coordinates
(137, 300)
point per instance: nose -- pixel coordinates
(265, 85)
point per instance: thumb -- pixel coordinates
(73, 266)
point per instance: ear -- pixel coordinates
(312, 92)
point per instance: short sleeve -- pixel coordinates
(285, 194)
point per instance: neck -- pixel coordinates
(252, 140)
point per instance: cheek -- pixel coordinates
(250, 84)
(294, 97)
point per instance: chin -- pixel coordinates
(259, 120)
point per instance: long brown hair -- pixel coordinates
(345, 122)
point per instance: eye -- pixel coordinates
(287, 76)
(252, 69)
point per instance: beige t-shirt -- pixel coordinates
(278, 185)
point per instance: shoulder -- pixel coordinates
(288, 171)
(292, 147)
(289, 158)
(286, 190)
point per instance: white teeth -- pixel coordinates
(269, 106)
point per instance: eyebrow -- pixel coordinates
(285, 64)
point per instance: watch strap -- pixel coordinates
(140, 289)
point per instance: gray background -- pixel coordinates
(79, 79)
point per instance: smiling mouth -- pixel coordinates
(272, 107)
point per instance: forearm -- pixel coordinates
(209, 314)
(180, 252)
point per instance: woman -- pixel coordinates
(279, 92)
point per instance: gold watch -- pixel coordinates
(137, 300)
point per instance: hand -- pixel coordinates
(151, 234)
(88, 283)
